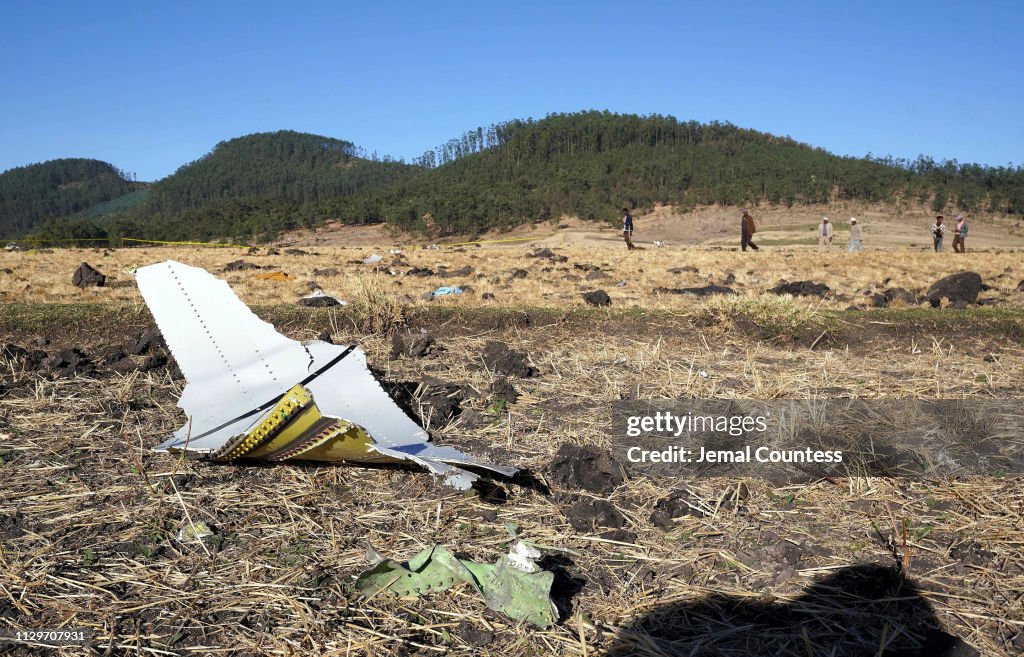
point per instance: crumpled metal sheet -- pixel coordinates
(238, 367)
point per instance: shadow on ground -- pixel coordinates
(860, 611)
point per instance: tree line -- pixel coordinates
(587, 164)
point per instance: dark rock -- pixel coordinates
(325, 336)
(902, 295)
(329, 271)
(801, 288)
(705, 291)
(295, 252)
(272, 252)
(729, 279)
(420, 271)
(587, 514)
(487, 296)
(464, 271)
(411, 344)
(324, 301)
(1020, 286)
(959, 289)
(597, 275)
(687, 268)
(503, 389)
(519, 273)
(549, 254)
(499, 358)
(240, 265)
(597, 298)
(582, 266)
(85, 276)
(585, 468)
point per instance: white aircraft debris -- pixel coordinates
(253, 393)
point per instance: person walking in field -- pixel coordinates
(938, 232)
(825, 233)
(960, 234)
(856, 235)
(627, 228)
(747, 230)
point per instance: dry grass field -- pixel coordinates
(89, 516)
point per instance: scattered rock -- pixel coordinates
(487, 296)
(411, 344)
(681, 270)
(801, 288)
(549, 254)
(705, 291)
(272, 252)
(1020, 286)
(582, 266)
(597, 275)
(502, 360)
(320, 300)
(329, 271)
(959, 289)
(597, 298)
(464, 271)
(883, 299)
(86, 276)
(295, 252)
(503, 389)
(587, 514)
(420, 271)
(585, 468)
(240, 265)
(519, 273)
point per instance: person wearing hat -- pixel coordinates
(825, 232)
(855, 235)
(747, 229)
(960, 234)
(938, 232)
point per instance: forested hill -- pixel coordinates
(295, 167)
(591, 164)
(587, 164)
(32, 194)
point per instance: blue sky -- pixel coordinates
(150, 86)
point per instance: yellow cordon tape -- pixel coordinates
(214, 244)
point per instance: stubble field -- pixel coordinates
(89, 516)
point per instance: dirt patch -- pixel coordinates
(499, 358)
(586, 468)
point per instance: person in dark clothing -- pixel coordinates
(938, 232)
(627, 228)
(747, 230)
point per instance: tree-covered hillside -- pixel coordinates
(32, 194)
(587, 164)
(590, 164)
(294, 167)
